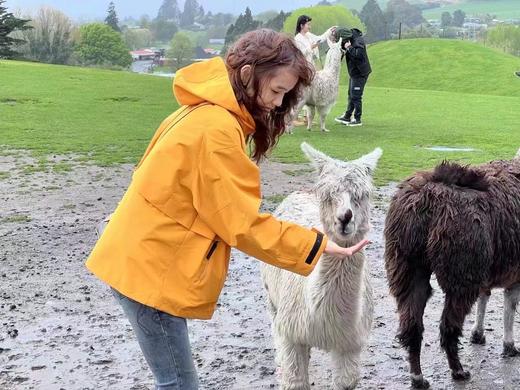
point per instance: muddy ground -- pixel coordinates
(61, 328)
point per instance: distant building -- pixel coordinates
(471, 25)
(204, 54)
(147, 54)
(143, 55)
(217, 41)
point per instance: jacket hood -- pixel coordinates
(356, 33)
(208, 81)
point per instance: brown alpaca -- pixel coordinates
(462, 224)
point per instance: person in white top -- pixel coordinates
(306, 41)
(308, 44)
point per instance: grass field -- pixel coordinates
(444, 65)
(503, 9)
(108, 116)
(411, 103)
(404, 123)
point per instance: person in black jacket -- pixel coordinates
(359, 68)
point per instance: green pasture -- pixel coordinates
(503, 9)
(108, 117)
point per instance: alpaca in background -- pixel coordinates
(463, 225)
(322, 94)
(332, 308)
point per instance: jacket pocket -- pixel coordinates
(211, 249)
(214, 271)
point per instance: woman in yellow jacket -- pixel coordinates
(196, 193)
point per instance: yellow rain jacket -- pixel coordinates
(195, 194)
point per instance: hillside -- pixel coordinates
(444, 65)
(358, 4)
(503, 9)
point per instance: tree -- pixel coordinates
(169, 11)
(446, 20)
(243, 24)
(221, 19)
(163, 30)
(181, 49)
(111, 19)
(458, 18)
(265, 16)
(505, 37)
(100, 45)
(145, 22)
(51, 38)
(401, 12)
(137, 38)
(422, 31)
(277, 22)
(8, 24)
(191, 9)
(373, 18)
(199, 17)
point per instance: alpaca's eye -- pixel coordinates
(326, 197)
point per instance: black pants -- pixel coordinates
(356, 85)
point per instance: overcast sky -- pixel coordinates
(90, 9)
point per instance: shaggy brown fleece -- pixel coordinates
(462, 224)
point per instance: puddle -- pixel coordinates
(450, 149)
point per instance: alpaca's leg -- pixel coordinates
(477, 333)
(306, 111)
(310, 116)
(511, 296)
(456, 308)
(323, 112)
(410, 306)
(289, 127)
(346, 369)
(322, 122)
(294, 362)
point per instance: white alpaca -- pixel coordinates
(323, 91)
(332, 308)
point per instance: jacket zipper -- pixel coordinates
(212, 249)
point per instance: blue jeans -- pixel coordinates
(164, 340)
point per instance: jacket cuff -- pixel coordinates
(317, 248)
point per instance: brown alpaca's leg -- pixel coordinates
(511, 297)
(477, 333)
(455, 311)
(411, 309)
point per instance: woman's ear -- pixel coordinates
(245, 74)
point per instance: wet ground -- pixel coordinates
(61, 328)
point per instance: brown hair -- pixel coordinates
(266, 51)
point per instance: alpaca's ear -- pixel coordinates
(317, 158)
(517, 155)
(330, 43)
(370, 160)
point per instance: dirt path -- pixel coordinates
(61, 329)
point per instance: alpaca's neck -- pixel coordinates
(338, 278)
(333, 64)
(352, 266)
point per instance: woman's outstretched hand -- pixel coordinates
(334, 249)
